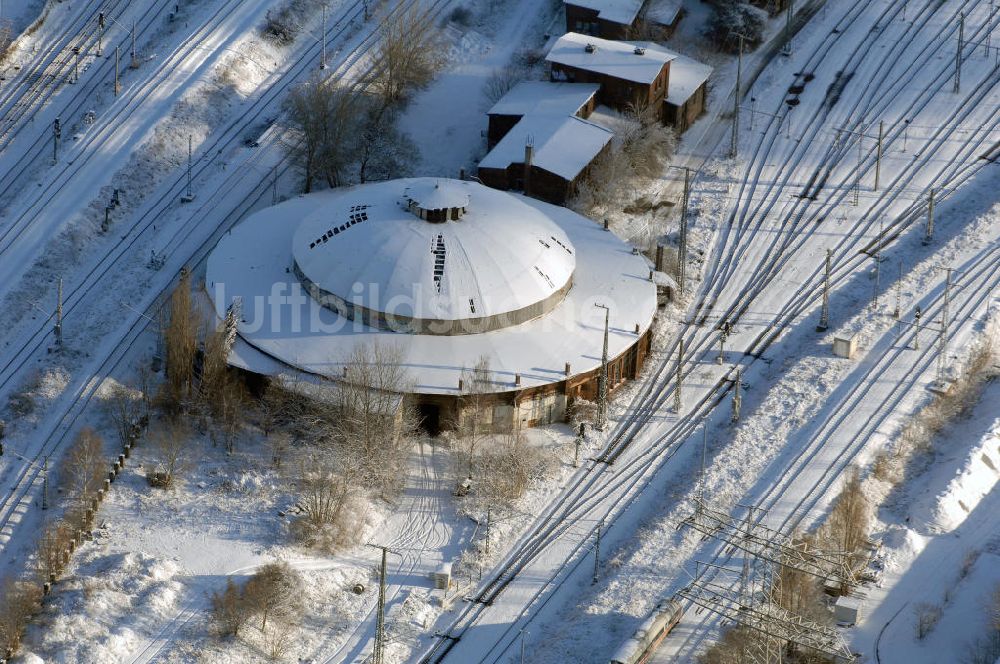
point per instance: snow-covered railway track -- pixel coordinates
(51, 68)
(100, 74)
(750, 219)
(554, 522)
(980, 279)
(67, 411)
(111, 126)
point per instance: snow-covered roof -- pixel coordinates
(663, 12)
(619, 59)
(545, 97)
(364, 246)
(563, 146)
(623, 12)
(283, 327)
(438, 194)
(686, 76)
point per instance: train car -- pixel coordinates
(641, 646)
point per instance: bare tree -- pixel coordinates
(19, 601)
(181, 343)
(501, 81)
(926, 617)
(475, 410)
(406, 57)
(229, 611)
(84, 466)
(384, 152)
(323, 120)
(375, 424)
(125, 408)
(275, 592)
(277, 639)
(172, 451)
(850, 517)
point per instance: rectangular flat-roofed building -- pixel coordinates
(540, 98)
(544, 156)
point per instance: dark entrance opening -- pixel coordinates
(430, 418)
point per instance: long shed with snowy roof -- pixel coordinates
(540, 98)
(627, 73)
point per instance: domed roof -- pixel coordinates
(496, 262)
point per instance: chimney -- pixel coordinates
(529, 153)
(517, 380)
(567, 368)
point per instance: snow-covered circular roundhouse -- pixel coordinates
(447, 271)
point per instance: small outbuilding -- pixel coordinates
(545, 156)
(540, 98)
(609, 19)
(687, 94)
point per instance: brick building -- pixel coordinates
(540, 98)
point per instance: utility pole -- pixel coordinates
(906, 131)
(899, 288)
(877, 256)
(602, 381)
(274, 186)
(737, 397)
(943, 340)
(118, 86)
(723, 334)
(489, 521)
(857, 177)
(929, 235)
(878, 155)
(597, 552)
(522, 645)
(787, 48)
(579, 440)
(824, 316)
(916, 329)
(56, 135)
(682, 236)
(45, 483)
(189, 192)
(677, 388)
(322, 58)
(76, 64)
(59, 314)
(135, 61)
(380, 620)
(958, 53)
(734, 148)
(100, 33)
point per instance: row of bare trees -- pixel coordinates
(336, 125)
(81, 480)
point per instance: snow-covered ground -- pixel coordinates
(137, 592)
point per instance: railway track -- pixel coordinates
(29, 91)
(981, 276)
(56, 432)
(36, 156)
(584, 486)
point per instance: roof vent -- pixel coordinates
(590, 48)
(639, 50)
(438, 202)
